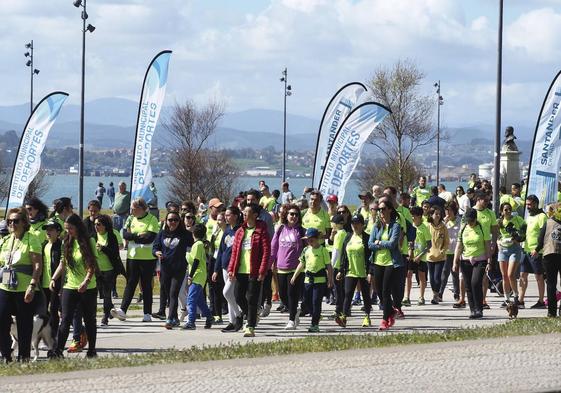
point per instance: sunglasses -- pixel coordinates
(292, 213)
(190, 217)
(15, 221)
(173, 220)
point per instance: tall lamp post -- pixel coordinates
(439, 102)
(287, 92)
(33, 71)
(90, 28)
(497, 173)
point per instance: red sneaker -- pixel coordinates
(391, 321)
(384, 325)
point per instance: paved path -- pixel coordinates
(499, 365)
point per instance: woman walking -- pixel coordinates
(20, 255)
(79, 266)
(549, 242)
(436, 256)
(171, 247)
(384, 244)
(286, 248)
(471, 256)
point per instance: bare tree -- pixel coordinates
(197, 168)
(387, 174)
(410, 125)
(38, 186)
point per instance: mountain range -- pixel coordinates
(110, 123)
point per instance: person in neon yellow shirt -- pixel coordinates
(79, 263)
(51, 259)
(421, 192)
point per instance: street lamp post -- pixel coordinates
(497, 173)
(287, 92)
(90, 28)
(33, 71)
(439, 102)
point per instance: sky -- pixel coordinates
(235, 50)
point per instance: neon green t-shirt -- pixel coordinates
(148, 223)
(507, 198)
(268, 203)
(404, 215)
(47, 274)
(19, 252)
(38, 231)
(487, 219)
(535, 224)
(421, 241)
(319, 220)
(473, 240)
(245, 261)
(75, 275)
(338, 241)
(210, 224)
(383, 256)
(103, 261)
(314, 260)
(198, 252)
(356, 257)
(421, 194)
(505, 240)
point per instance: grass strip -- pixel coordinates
(315, 343)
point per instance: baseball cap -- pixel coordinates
(52, 224)
(312, 232)
(332, 198)
(215, 202)
(357, 219)
(338, 219)
(367, 195)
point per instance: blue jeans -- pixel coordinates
(313, 295)
(196, 298)
(435, 275)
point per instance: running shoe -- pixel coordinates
(169, 324)
(266, 310)
(160, 316)
(406, 302)
(486, 306)
(104, 321)
(119, 314)
(229, 328)
(504, 304)
(460, 304)
(398, 314)
(421, 301)
(313, 329)
(521, 304)
(147, 318)
(391, 321)
(290, 326)
(218, 320)
(239, 323)
(366, 322)
(434, 301)
(384, 325)
(209, 321)
(341, 320)
(74, 347)
(538, 305)
(478, 314)
(188, 326)
(280, 307)
(249, 332)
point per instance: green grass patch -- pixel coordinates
(317, 343)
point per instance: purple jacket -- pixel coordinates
(286, 247)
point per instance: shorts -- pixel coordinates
(531, 264)
(417, 267)
(510, 254)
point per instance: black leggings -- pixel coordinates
(53, 306)
(552, 265)
(473, 280)
(267, 291)
(290, 294)
(171, 280)
(398, 290)
(446, 273)
(216, 298)
(105, 285)
(143, 271)
(12, 303)
(70, 300)
(350, 285)
(339, 289)
(247, 296)
(386, 278)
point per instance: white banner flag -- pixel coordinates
(31, 145)
(335, 114)
(151, 101)
(344, 154)
(543, 174)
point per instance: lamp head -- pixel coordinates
(28, 45)
(26, 54)
(36, 71)
(77, 3)
(282, 79)
(288, 87)
(28, 63)
(90, 28)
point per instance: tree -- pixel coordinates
(196, 167)
(38, 186)
(410, 125)
(386, 173)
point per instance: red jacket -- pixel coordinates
(260, 250)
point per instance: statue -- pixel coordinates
(509, 144)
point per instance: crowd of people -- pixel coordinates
(214, 260)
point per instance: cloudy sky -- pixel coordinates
(236, 49)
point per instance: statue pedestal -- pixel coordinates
(510, 168)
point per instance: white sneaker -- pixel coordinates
(266, 310)
(291, 325)
(182, 315)
(119, 314)
(147, 318)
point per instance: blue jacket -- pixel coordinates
(174, 246)
(225, 249)
(392, 244)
